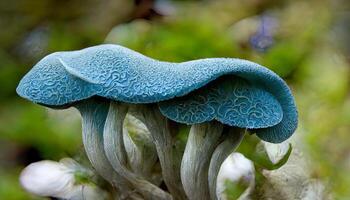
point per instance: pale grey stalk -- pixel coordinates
(117, 156)
(142, 154)
(202, 141)
(93, 115)
(231, 140)
(169, 156)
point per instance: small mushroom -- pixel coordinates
(220, 97)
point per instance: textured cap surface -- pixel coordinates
(120, 74)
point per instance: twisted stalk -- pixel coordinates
(201, 143)
(94, 114)
(231, 140)
(141, 152)
(117, 156)
(162, 137)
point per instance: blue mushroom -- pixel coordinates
(220, 97)
(234, 92)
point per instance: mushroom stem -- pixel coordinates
(94, 114)
(231, 140)
(141, 152)
(161, 134)
(117, 156)
(201, 143)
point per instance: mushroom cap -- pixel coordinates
(117, 73)
(230, 100)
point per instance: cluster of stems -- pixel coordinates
(148, 163)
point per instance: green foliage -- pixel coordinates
(261, 159)
(234, 190)
(10, 188)
(175, 41)
(29, 125)
(82, 177)
(253, 149)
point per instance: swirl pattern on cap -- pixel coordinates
(120, 74)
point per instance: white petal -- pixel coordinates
(276, 152)
(47, 178)
(236, 168)
(56, 179)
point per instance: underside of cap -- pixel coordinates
(231, 100)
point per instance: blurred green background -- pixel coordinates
(307, 42)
